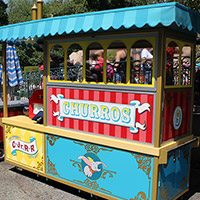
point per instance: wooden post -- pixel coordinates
(160, 87)
(34, 12)
(45, 58)
(5, 103)
(39, 9)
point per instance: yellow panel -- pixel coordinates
(25, 147)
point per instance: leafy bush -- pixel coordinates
(31, 68)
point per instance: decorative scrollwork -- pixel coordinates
(163, 193)
(52, 139)
(92, 147)
(40, 165)
(144, 163)
(92, 184)
(183, 183)
(8, 131)
(110, 173)
(51, 168)
(140, 196)
(75, 163)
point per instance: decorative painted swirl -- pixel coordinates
(144, 163)
(140, 196)
(92, 184)
(52, 139)
(92, 147)
(75, 163)
(51, 168)
(105, 172)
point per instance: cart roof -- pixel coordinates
(172, 15)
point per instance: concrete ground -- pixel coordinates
(22, 185)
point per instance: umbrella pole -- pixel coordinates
(5, 103)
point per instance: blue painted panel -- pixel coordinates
(167, 175)
(182, 168)
(173, 177)
(113, 172)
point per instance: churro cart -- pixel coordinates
(117, 116)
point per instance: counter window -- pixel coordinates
(57, 63)
(186, 65)
(141, 62)
(94, 63)
(75, 63)
(172, 65)
(116, 62)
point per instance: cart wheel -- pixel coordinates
(1, 154)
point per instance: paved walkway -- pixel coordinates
(16, 185)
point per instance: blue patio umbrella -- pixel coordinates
(14, 74)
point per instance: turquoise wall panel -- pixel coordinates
(116, 173)
(174, 176)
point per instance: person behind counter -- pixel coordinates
(54, 66)
(120, 66)
(146, 64)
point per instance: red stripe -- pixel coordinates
(101, 125)
(107, 130)
(85, 123)
(112, 100)
(63, 122)
(49, 106)
(58, 123)
(149, 120)
(80, 121)
(136, 135)
(54, 107)
(71, 96)
(96, 124)
(91, 98)
(185, 105)
(129, 99)
(76, 121)
(124, 129)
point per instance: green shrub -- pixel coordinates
(31, 68)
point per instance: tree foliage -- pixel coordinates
(29, 55)
(64, 7)
(3, 13)
(19, 11)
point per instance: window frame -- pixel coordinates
(181, 44)
(127, 40)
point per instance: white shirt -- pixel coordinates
(146, 54)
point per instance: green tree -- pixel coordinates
(64, 7)
(29, 55)
(3, 14)
(53, 8)
(193, 4)
(19, 11)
